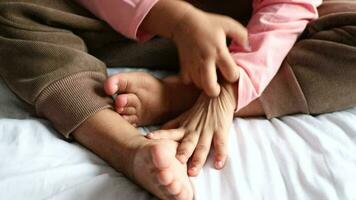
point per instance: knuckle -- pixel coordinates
(198, 159)
(189, 141)
(229, 20)
(183, 151)
(205, 55)
(201, 148)
(220, 143)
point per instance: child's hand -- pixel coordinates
(206, 123)
(201, 41)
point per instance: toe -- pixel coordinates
(127, 111)
(129, 100)
(121, 101)
(163, 155)
(116, 83)
(165, 177)
(174, 188)
(184, 194)
(132, 119)
(124, 82)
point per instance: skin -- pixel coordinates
(204, 125)
(152, 163)
(136, 90)
(149, 163)
(190, 27)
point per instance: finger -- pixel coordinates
(172, 124)
(227, 66)
(200, 154)
(132, 119)
(236, 31)
(172, 134)
(209, 80)
(195, 76)
(185, 78)
(221, 148)
(184, 70)
(187, 146)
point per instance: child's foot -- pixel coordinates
(150, 163)
(156, 169)
(143, 99)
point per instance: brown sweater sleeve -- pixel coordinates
(47, 64)
(70, 101)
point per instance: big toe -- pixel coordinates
(112, 84)
(126, 100)
(124, 82)
(117, 83)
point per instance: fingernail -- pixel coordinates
(219, 164)
(120, 110)
(149, 135)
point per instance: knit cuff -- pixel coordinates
(67, 103)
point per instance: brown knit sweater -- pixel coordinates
(53, 56)
(54, 53)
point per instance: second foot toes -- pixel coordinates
(176, 190)
(132, 119)
(126, 100)
(161, 173)
(127, 111)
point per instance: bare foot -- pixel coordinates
(156, 169)
(143, 99)
(150, 163)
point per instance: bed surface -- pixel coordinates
(295, 157)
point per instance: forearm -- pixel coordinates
(273, 30)
(124, 16)
(165, 16)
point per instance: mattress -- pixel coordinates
(298, 157)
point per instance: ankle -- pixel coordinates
(111, 138)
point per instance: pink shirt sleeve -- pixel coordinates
(124, 16)
(273, 30)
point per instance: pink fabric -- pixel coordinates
(273, 30)
(125, 16)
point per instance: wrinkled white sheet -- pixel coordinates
(297, 157)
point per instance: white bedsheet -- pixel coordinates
(298, 157)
